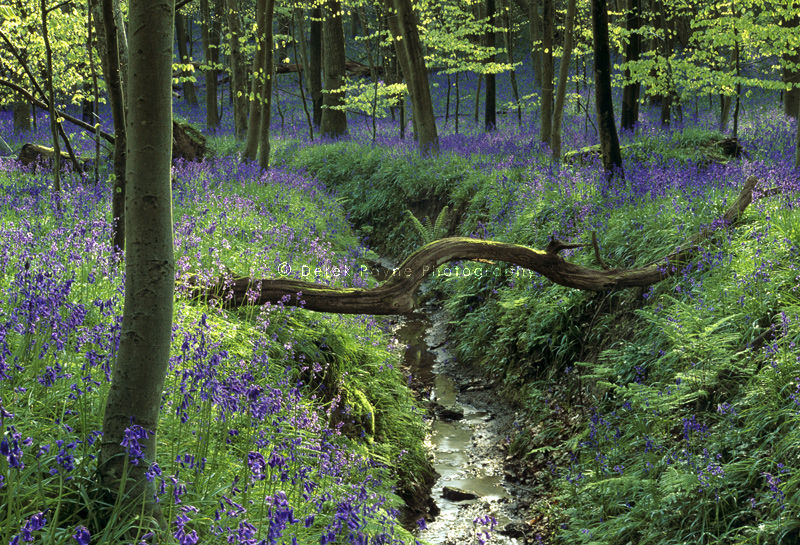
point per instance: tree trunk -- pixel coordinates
(300, 38)
(547, 71)
(509, 44)
(256, 85)
(238, 70)
(333, 122)
(791, 97)
(630, 93)
(144, 344)
(51, 97)
(266, 92)
(490, 112)
(189, 92)
(22, 116)
(403, 25)
(563, 73)
(315, 64)
(609, 141)
(117, 99)
(210, 42)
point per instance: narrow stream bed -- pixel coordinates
(467, 439)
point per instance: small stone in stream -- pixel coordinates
(457, 494)
(515, 529)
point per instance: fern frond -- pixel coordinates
(423, 231)
(439, 228)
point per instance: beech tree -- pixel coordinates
(334, 119)
(609, 140)
(132, 406)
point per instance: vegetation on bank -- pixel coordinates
(277, 423)
(663, 415)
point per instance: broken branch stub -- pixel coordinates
(396, 295)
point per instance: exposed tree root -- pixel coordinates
(396, 295)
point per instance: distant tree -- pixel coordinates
(132, 406)
(210, 38)
(490, 111)
(563, 73)
(609, 140)
(334, 119)
(266, 90)
(237, 67)
(630, 93)
(257, 82)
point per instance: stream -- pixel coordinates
(467, 436)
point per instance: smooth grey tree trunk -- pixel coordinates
(563, 73)
(237, 67)
(334, 121)
(490, 102)
(116, 96)
(412, 63)
(630, 93)
(210, 42)
(609, 140)
(315, 64)
(189, 92)
(144, 345)
(256, 84)
(266, 90)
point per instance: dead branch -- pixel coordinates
(396, 295)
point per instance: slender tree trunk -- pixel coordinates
(334, 121)
(509, 43)
(95, 92)
(630, 93)
(117, 100)
(547, 71)
(490, 112)
(238, 71)
(303, 61)
(666, 51)
(266, 92)
(791, 97)
(738, 72)
(609, 141)
(403, 24)
(122, 42)
(563, 72)
(256, 85)
(797, 147)
(22, 116)
(51, 98)
(315, 64)
(144, 345)
(535, 26)
(189, 92)
(209, 51)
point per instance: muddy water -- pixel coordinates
(467, 451)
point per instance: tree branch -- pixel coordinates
(33, 100)
(396, 295)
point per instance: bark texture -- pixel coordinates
(315, 64)
(563, 73)
(256, 84)
(189, 92)
(238, 71)
(142, 360)
(609, 140)
(403, 25)
(333, 122)
(396, 295)
(630, 93)
(266, 90)
(490, 103)
(210, 43)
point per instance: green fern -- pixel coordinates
(428, 231)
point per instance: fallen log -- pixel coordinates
(396, 295)
(34, 154)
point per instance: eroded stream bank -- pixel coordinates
(469, 432)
